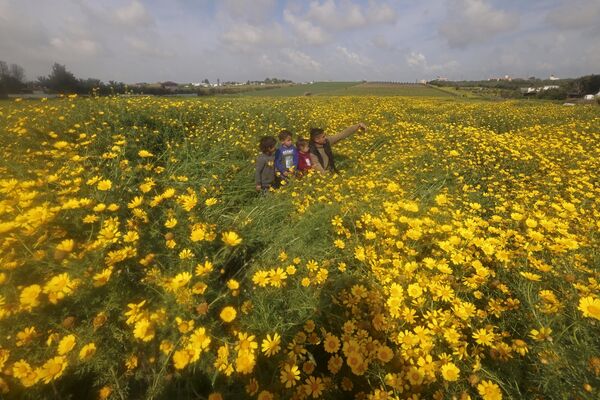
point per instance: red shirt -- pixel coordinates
(304, 161)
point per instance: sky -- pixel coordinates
(315, 40)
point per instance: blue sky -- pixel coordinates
(394, 40)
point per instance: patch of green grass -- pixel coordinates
(390, 89)
(317, 88)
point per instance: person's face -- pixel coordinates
(319, 139)
(287, 142)
(271, 150)
(304, 148)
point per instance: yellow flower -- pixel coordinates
(66, 344)
(143, 330)
(265, 395)
(483, 337)
(104, 185)
(144, 153)
(414, 290)
(53, 369)
(331, 343)
(245, 361)
(210, 202)
(25, 336)
(314, 386)
(590, 307)
(228, 314)
(66, 245)
(489, 391)
(289, 375)
(105, 392)
(87, 351)
(385, 354)
(101, 278)
(270, 345)
(136, 202)
(450, 372)
(180, 280)
(23, 371)
(29, 297)
(181, 358)
(231, 239)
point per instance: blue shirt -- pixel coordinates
(286, 158)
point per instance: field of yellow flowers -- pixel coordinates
(455, 255)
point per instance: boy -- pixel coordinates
(286, 156)
(304, 163)
(265, 164)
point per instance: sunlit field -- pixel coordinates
(455, 255)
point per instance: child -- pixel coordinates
(286, 156)
(304, 163)
(265, 164)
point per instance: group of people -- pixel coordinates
(275, 165)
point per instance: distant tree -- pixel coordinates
(589, 84)
(4, 71)
(90, 85)
(60, 80)
(206, 81)
(12, 78)
(553, 94)
(17, 73)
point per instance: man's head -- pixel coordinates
(267, 144)
(285, 138)
(317, 135)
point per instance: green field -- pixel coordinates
(353, 89)
(318, 88)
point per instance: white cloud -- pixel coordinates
(246, 37)
(301, 60)
(255, 11)
(134, 14)
(332, 16)
(352, 57)
(472, 21)
(418, 62)
(83, 47)
(575, 15)
(305, 29)
(144, 48)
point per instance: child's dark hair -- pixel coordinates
(267, 143)
(301, 142)
(284, 134)
(314, 132)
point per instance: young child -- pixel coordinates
(286, 156)
(304, 163)
(265, 164)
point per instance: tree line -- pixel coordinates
(578, 87)
(61, 80)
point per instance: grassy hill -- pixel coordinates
(317, 88)
(353, 89)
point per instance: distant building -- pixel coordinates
(553, 78)
(505, 78)
(529, 91)
(548, 87)
(589, 97)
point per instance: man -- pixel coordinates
(321, 155)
